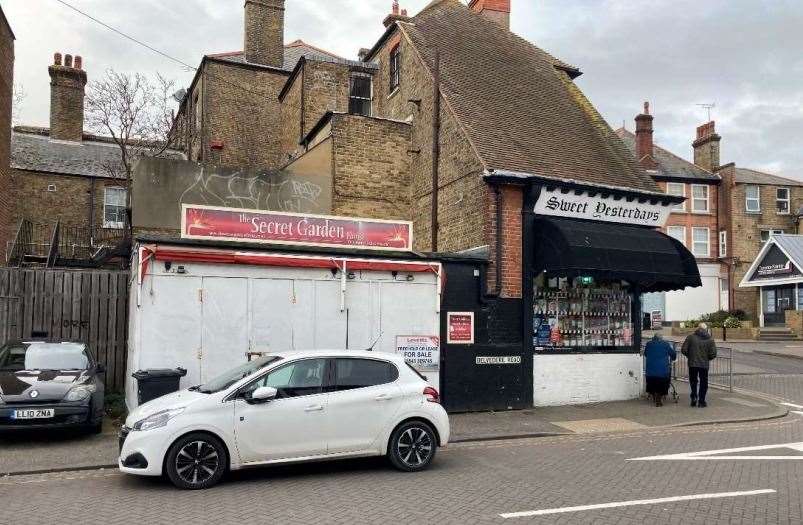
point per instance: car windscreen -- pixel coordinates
(44, 356)
(225, 380)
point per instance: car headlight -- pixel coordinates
(157, 420)
(80, 392)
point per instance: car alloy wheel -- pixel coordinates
(196, 461)
(412, 446)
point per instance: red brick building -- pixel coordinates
(695, 222)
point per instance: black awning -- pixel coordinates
(641, 256)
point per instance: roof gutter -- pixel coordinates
(493, 175)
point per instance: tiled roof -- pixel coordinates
(748, 176)
(519, 112)
(292, 54)
(669, 164)
(33, 150)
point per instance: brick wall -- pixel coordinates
(326, 88)
(511, 199)
(6, 89)
(291, 130)
(371, 167)
(241, 110)
(45, 198)
(689, 219)
(461, 199)
(744, 230)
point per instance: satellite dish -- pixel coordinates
(179, 95)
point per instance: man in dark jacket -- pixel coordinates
(699, 349)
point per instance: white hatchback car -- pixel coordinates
(283, 408)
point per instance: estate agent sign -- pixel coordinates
(598, 208)
(460, 328)
(233, 224)
(421, 351)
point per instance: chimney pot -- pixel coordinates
(404, 12)
(644, 141)
(67, 85)
(79, 62)
(497, 11)
(395, 9)
(706, 147)
(264, 32)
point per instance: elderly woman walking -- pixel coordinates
(659, 355)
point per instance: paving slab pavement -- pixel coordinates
(723, 407)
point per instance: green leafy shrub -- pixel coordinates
(732, 322)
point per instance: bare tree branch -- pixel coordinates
(136, 113)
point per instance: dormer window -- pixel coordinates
(360, 94)
(395, 68)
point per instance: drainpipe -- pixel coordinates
(436, 147)
(92, 211)
(498, 198)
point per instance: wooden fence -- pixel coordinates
(69, 305)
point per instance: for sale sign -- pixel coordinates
(421, 351)
(460, 326)
(233, 224)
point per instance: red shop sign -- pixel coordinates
(460, 326)
(232, 224)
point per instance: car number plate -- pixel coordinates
(43, 413)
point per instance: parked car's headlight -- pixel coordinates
(80, 392)
(157, 420)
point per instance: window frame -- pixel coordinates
(333, 386)
(684, 241)
(114, 225)
(240, 392)
(370, 98)
(770, 232)
(787, 200)
(695, 199)
(394, 69)
(748, 199)
(723, 243)
(677, 208)
(695, 242)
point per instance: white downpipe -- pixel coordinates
(343, 287)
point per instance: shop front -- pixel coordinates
(589, 256)
(777, 273)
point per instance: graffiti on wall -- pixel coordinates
(161, 186)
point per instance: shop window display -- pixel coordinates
(581, 315)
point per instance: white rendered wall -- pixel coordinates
(575, 379)
(691, 303)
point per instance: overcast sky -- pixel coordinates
(743, 55)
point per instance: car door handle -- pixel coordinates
(313, 408)
(383, 397)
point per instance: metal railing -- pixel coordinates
(720, 370)
(50, 242)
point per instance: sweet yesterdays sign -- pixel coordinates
(599, 208)
(232, 224)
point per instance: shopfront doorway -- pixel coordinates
(776, 300)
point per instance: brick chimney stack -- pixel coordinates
(644, 143)
(264, 32)
(397, 14)
(495, 10)
(67, 85)
(706, 147)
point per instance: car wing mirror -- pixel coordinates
(263, 394)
